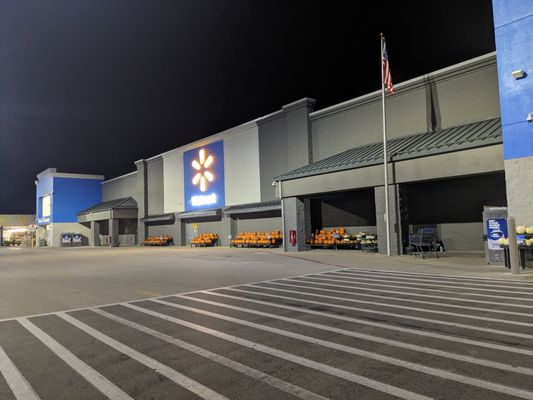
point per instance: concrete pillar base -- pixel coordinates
(395, 234)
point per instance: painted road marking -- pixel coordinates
(347, 349)
(354, 286)
(395, 277)
(92, 376)
(372, 338)
(452, 277)
(431, 311)
(349, 277)
(377, 296)
(244, 369)
(18, 385)
(339, 373)
(421, 289)
(197, 388)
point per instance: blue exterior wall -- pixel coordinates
(71, 195)
(513, 23)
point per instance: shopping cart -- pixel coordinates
(424, 242)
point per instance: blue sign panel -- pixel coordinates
(496, 229)
(203, 172)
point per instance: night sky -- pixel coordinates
(90, 86)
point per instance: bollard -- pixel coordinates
(513, 246)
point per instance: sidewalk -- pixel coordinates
(459, 264)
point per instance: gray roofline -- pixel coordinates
(54, 174)
(444, 73)
(120, 177)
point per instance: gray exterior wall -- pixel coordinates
(124, 186)
(155, 186)
(159, 230)
(518, 176)
(460, 94)
(462, 236)
(259, 224)
(285, 143)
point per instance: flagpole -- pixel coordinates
(385, 159)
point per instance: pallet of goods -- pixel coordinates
(340, 239)
(205, 240)
(258, 239)
(163, 240)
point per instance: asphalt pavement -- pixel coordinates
(348, 333)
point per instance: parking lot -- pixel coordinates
(305, 331)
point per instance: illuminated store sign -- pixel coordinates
(204, 177)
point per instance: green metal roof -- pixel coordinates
(264, 206)
(122, 203)
(477, 134)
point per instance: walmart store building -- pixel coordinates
(303, 169)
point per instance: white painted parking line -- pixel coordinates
(418, 279)
(318, 282)
(431, 311)
(405, 287)
(197, 388)
(439, 322)
(244, 369)
(348, 299)
(371, 338)
(351, 350)
(419, 332)
(413, 282)
(18, 385)
(339, 373)
(92, 376)
(440, 276)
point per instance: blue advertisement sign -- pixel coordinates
(203, 173)
(496, 229)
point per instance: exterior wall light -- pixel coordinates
(530, 117)
(519, 74)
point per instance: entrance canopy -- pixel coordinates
(124, 208)
(263, 207)
(464, 137)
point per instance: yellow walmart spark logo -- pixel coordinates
(204, 175)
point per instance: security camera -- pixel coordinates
(530, 117)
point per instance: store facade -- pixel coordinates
(303, 170)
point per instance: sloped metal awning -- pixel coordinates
(160, 218)
(216, 212)
(17, 219)
(265, 206)
(474, 135)
(114, 209)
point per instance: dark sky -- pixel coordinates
(90, 86)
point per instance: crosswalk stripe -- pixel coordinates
(175, 376)
(371, 338)
(351, 350)
(412, 279)
(434, 303)
(445, 323)
(414, 282)
(244, 369)
(92, 376)
(434, 335)
(440, 276)
(18, 385)
(410, 293)
(431, 311)
(339, 373)
(417, 288)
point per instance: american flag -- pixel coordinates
(387, 78)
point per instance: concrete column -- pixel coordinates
(396, 242)
(94, 237)
(299, 136)
(113, 233)
(142, 198)
(1, 236)
(296, 218)
(520, 188)
(230, 229)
